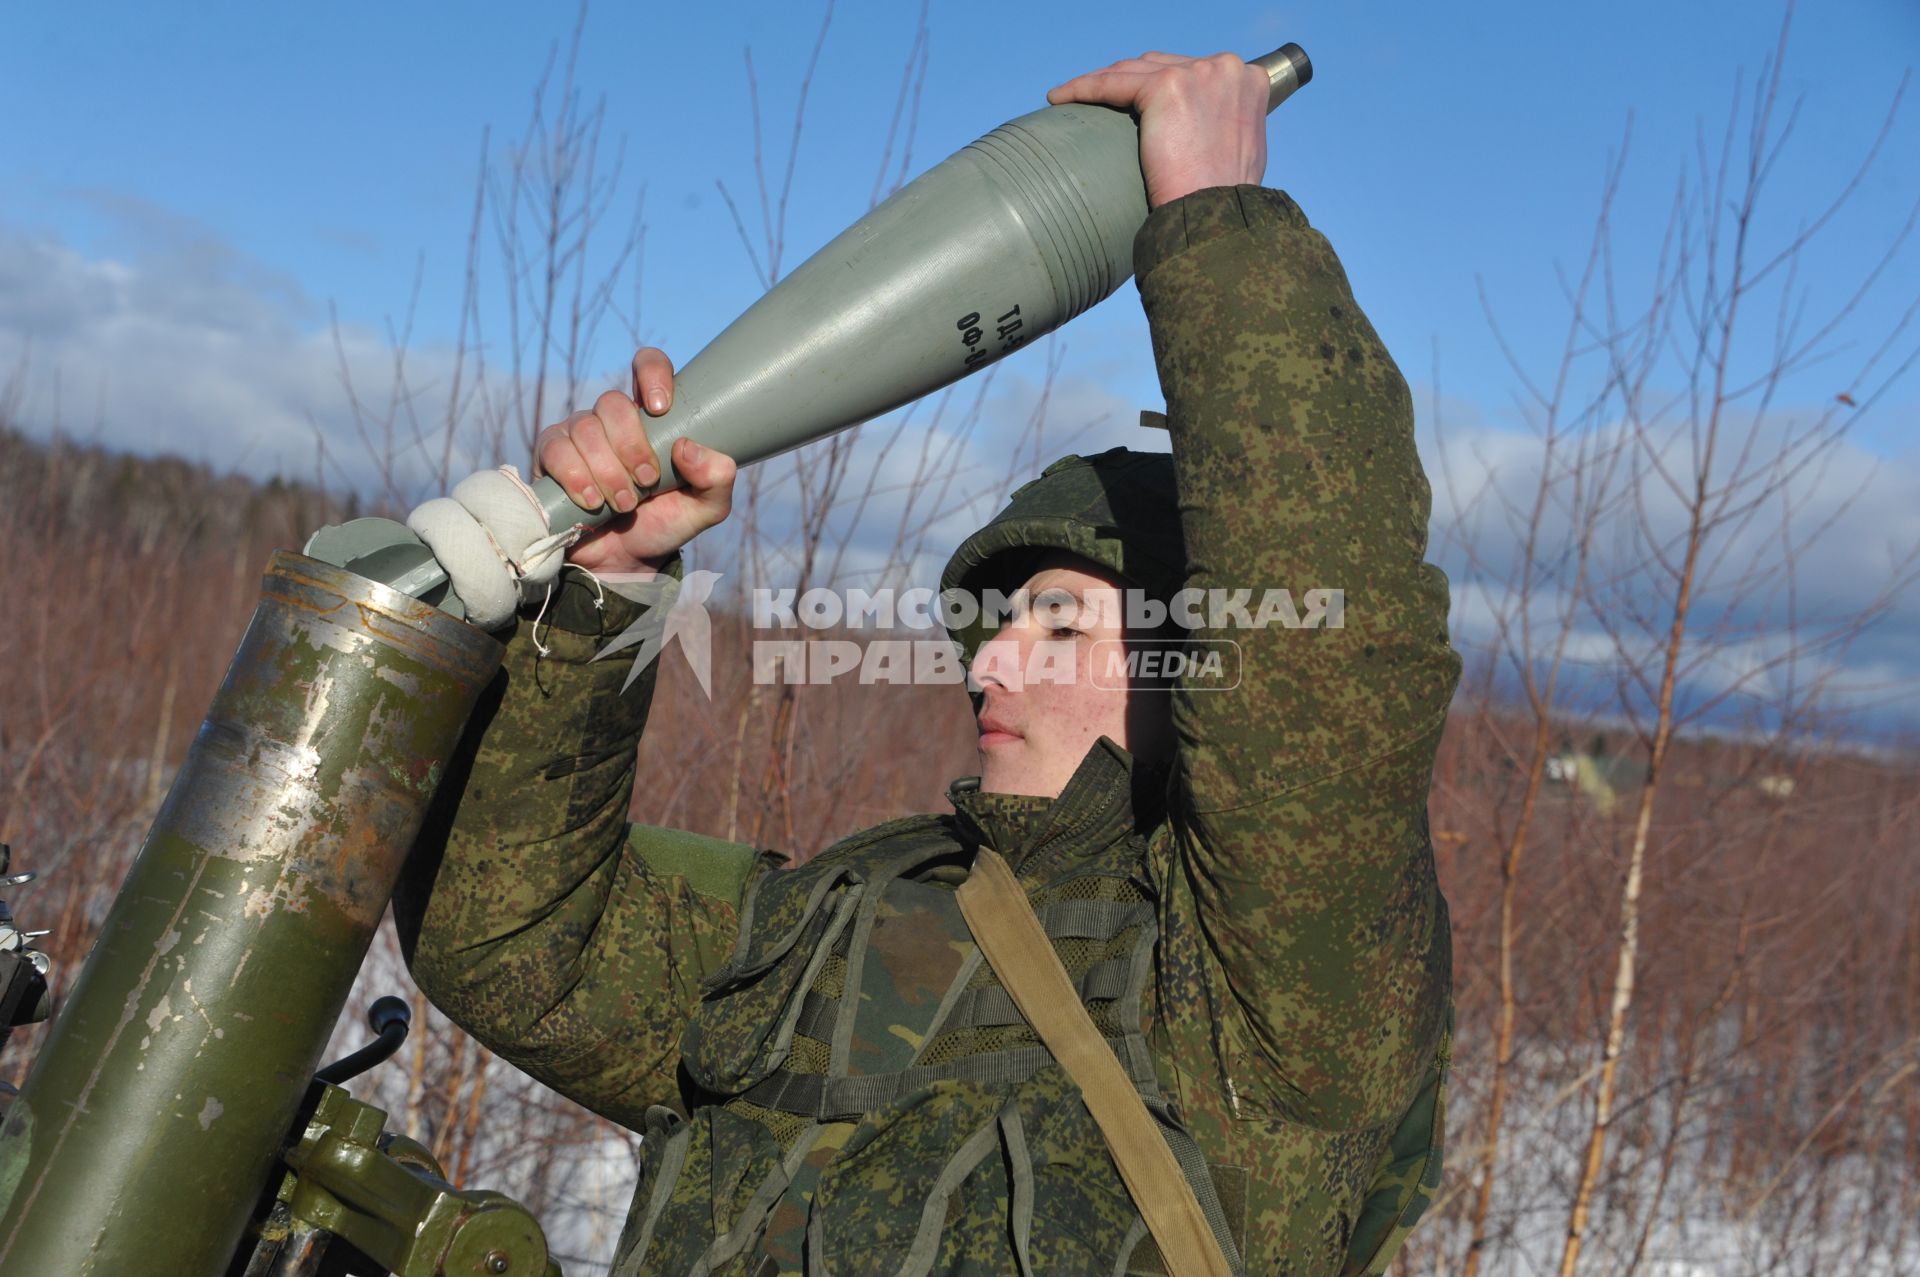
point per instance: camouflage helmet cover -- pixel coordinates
(1119, 508)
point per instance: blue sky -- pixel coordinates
(185, 191)
(1439, 144)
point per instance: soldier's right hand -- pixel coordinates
(604, 455)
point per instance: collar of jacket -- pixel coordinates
(1104, 802)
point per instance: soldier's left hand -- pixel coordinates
(1203, 121)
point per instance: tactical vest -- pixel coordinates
(866, 1099)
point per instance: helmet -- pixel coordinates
(1120, 509)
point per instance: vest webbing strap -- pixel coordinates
(988, 1007)
(1016, 946)
(846, 1099)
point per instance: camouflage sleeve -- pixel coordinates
(1301, 793)
(566, 940)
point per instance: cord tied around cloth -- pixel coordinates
(599, 604)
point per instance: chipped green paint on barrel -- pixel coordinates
(154, 1112)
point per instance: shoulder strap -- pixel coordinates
(1016, 946)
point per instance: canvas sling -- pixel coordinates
(1016, 947)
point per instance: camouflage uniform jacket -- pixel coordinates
(828, 1076)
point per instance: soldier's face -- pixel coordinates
(1054, 680)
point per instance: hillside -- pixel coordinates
(1767, 1102)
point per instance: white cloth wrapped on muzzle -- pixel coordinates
(491, 536)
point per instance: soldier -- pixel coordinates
(1238, 882)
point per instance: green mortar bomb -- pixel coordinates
(1000, 243)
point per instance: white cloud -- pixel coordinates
(1767, 624)
(184, 345)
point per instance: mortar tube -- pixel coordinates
(154, 1113)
